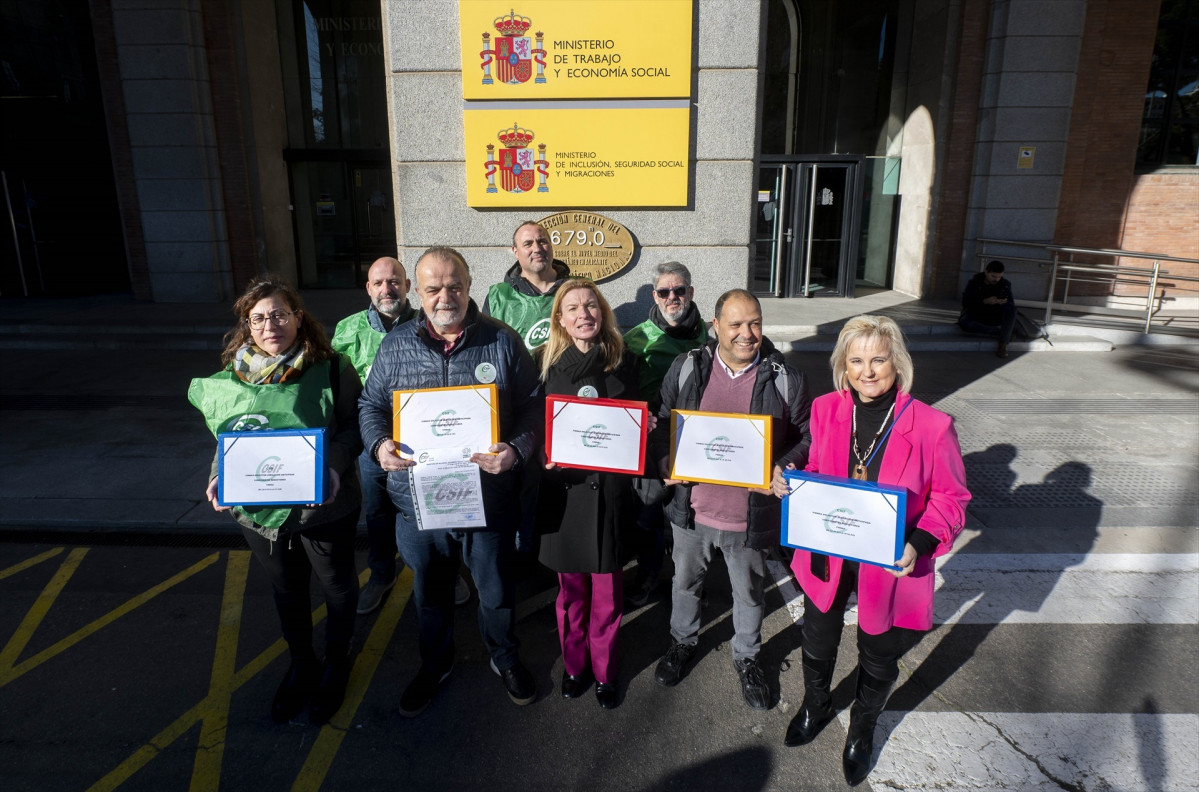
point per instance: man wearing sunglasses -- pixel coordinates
(673, 328)
(524, 298)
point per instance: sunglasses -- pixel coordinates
(677, 291)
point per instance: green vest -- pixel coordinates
(657, 351)
(356, 339)
(528, 315)
(232, 405)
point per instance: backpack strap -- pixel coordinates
(782, 383)
(687, 369)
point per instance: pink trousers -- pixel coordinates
(589, 609)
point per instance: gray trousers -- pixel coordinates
(747, 577)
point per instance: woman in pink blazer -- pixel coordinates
(870, 428)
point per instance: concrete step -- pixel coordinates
(946, 342)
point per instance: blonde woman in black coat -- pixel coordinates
(581, 514)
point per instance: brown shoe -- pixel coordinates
(1001, 351)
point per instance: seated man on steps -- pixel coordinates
(988, 306)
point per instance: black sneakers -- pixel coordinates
(753, 683)
(519, 682)
(670, 667)
(421, 690)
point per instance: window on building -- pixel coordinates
(1170, 128)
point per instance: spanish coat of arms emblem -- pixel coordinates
(513, 53)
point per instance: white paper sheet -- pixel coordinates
(447, 490)
(592, 435)
(266, 468)
(459, 418)
(721, 449)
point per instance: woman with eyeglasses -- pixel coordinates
(281, 373)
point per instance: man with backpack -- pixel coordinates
(739, 372)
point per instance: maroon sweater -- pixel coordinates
(717, 505)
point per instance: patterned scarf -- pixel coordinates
(256, 367)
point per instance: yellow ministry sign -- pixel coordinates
(555, 49)
(588, 156)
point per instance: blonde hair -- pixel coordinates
(609, 336)
(872, 327)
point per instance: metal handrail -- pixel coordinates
(1136, 276)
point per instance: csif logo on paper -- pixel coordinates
(837, 521)
(267, 468)
(448, 494)
(594, 435)
(444, 423)
(718, 448)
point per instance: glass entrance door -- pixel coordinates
(807, 228)
(345, 220)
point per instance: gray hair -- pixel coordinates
(671, 268)
(444, 253)
(868, 326)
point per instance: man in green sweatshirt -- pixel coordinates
(524, 298)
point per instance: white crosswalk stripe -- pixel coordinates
(1125, 588)
(1052, 588)
(1035, 752)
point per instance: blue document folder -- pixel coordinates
(271, 467)
(855, 520)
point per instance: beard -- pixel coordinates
(445, 315)
(389, 306)
(675, 314)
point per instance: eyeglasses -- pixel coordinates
(279, 318)
(677, 291)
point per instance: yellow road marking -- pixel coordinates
(9, 672)
(324, 750)
(206, 772)
(37, 559)
(41, 606)
(317, 765)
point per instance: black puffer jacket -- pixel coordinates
(790, 436)
(411, 359)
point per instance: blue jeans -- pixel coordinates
(380, 515)
(1007, 322)
(434, 557)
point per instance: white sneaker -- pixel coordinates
(461, 591)
(371, 596)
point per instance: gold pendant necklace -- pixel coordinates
(859, 470)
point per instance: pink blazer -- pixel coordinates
(923, 456)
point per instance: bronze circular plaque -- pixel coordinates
(593, 246)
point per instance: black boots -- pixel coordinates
(297, 686)
(331, 690)
(308, 683)
(859, 742)
(817, 707)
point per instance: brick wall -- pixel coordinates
(1163, 217)
(1105, 203)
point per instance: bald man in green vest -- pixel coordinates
(524, 298)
